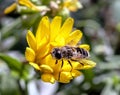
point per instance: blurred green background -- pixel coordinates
(99, 20)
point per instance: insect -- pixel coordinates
(73, 53)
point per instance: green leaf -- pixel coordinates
(113, 63)
(10, 29)
(18, 69)
(11, 62)
(9, 85)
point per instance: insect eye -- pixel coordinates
(58, 55)
(53, 52)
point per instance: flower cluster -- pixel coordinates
(53, 7)
(24, 5)
(72, 5)
(48, 36)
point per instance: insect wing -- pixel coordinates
(87, 64)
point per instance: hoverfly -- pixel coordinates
(73, 53)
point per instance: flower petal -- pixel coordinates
(10, 8)
(46, 69)
(85, 46)
(74, 37)
(76, 65)
(86, 64)
(65, 77)
(31, 40)
(72, 5)
(28, 4)
(66, 66)
(43, 51)
(43, 31)
(48, 78)
(55, 27)
(30, 54)
(66, 28)
(48, 60)
(59, 41)
(36, 66)
(76, 73)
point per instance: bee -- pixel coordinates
(73, 53)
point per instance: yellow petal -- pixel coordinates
(76, 73)
(57, 67)
(48, 78)
(28, 4)
(59, 41)
(31, 40)
(85, 46)
(36, 66)
(29, 54)
(43, 51)
(76, 65)
(42, 44)
(48, 60)
(65, 77)
(43, 31)
(74, 37)
(86, 64)
(66, 66)
(55, 27)
(10, 9)
(72, 5)
(66, 28)
(46, 69)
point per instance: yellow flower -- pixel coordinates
(26, 3)
(50, 35)
(72, 5)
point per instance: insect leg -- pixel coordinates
(78, 61)
(62, 64)
(73, 60)
(56, 61)
(81, 63)
(71, 67)
(70, 63)
(60, 71)
(59, 76)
